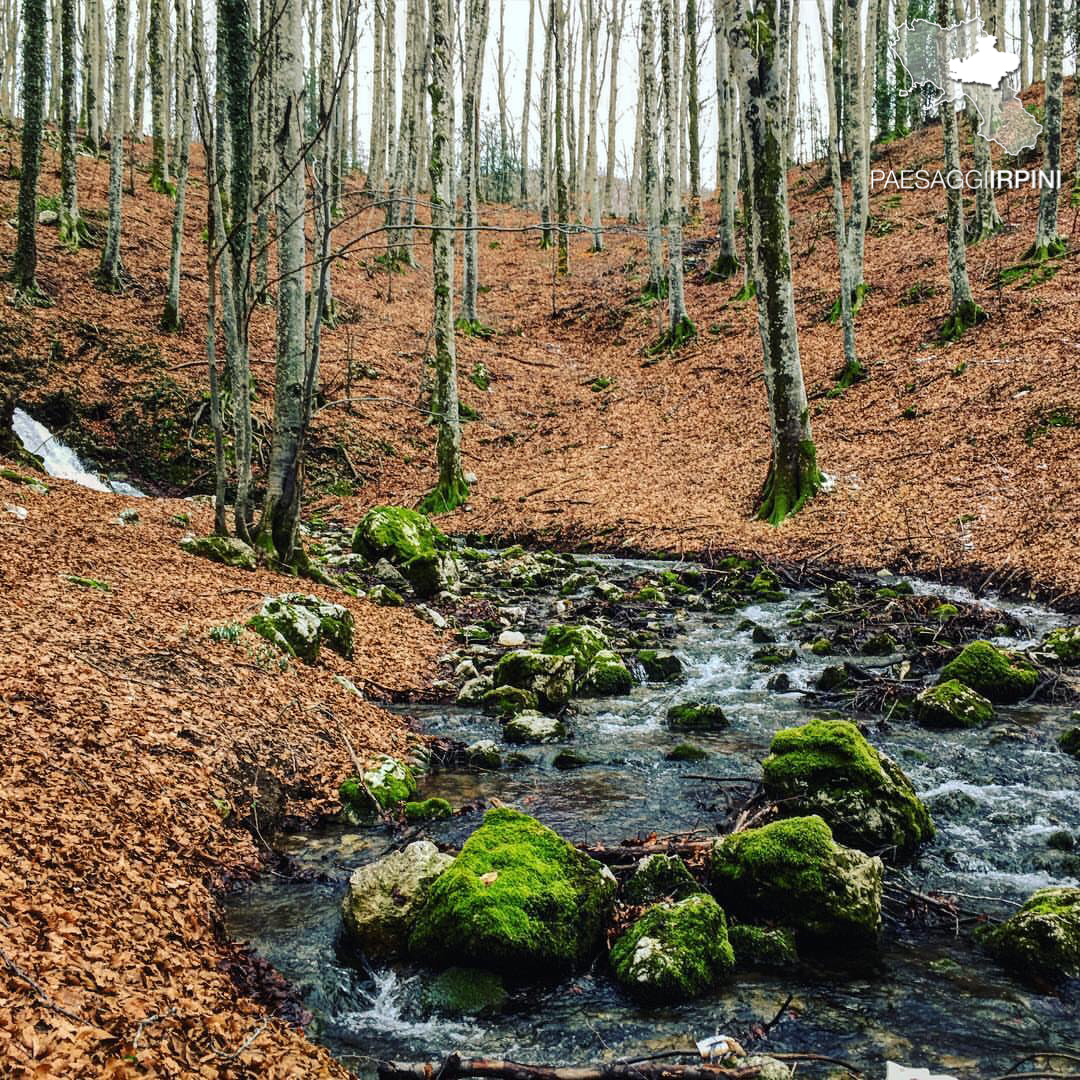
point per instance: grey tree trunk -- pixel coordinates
(792, 108)
(545, 127)
(1025, 46)
(325, 151)
(987, 220)
(476, 27)
(617, 18)
(635, 203)
(726, 263)
(754, 34)
(377, 140)
(109, 272)
(592, 156)
(138, 84)
(680, 328)
(562, 197)
(693, 108)
(451, 490)
(170, 319)
(656, 284)
(159, 164)
(24, 268)
(390, 89)
(69, 224)
(1047, 240)
(901, 108)
(503, 171)
(527, 107)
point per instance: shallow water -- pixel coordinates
(932, 1000)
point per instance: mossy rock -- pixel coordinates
(660, 665)
(607, 676)
(686, 752)
(508, 701)
(460, 991)
(518, 899)
(759, 947)
(483, 754)
(659, 877)
(384, 596)
(794, 873)
(408, 540)
(533, 727)
(472, 691)
(1001, 677)
(945, 612)
(1042, 940)
(291, 628)
(951, 704)
(227, 550)
(383, 786)
(336, 622)
(568, 760)
(841, 593)
(550, 678)
(1069, 741)
(580, 642)
(433, 809)
(650, 594)
(675, 951)
(1064, 643)
(762, 635)
(384, 896)
(833, 678)
(826, 767)
(696, 716)
(883, 644)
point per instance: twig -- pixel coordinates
(42, 997)
(243, 1046)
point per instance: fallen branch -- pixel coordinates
(454, 1067)
(43, 999)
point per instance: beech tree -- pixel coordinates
(693, 109)
(615, 26)
(756, 37)
(159, 163)
(170, 318)
(377, 139)
(562, 196)
(656, 284)
(476, 27)
(70, 226)
(592, 157)
(1047, 241)
(726, 263)
(109, 272)
(545, 127)
(526, 108)
(451, 490)
(24, 266)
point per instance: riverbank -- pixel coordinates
(133, 743)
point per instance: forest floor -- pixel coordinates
(123, 721)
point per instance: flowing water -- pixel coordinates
(932, 1000)
(60, 460)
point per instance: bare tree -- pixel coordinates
(159, 164)
(546, 125)
(70, 224)
(615, 25)
(526, 107)
(693, 108)
(726, 263)
(656, 284)
(476, 27)
(109, 272)
(562, 197)
(593, 13)
(170, 319)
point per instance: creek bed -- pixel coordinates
(996, 794)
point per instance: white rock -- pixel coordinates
(511, 639)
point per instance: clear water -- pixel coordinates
(933, 1000)
(60, 460)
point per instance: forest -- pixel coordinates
(541, 539)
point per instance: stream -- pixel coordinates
(997, 796)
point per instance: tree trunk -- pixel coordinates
(901, 109)
(24, 268)
(793, 475)
(390, 89)
(503, 170)
(562, 197)
(138, 86)
(791, 109)
(592, 157)
(618, 16)
(451, 490)
(526, 107)
(634, 195)
(170, 319)
(545, 127)
(109, 272)
(726, 264)
(476, 26)
(693, 108)
(159, 167)
(656, 285)
(69, 224)
(377, 139)
(1047, 241)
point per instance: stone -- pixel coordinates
(227, 550)
(761, 947)
(385, 573)
(567, 760)
(883, 644)
(1069, 741)
(336, 622)
(551, 678)
(384, 896)
(686, 752)
(675, 951)
(433, 809)
(128, 516)
(833, 678)
(518, 899)
(659, 877)
(794, 873)
(48, 217)
(826, 767)
(508, 701)
(580, 642)
(533, 727)
(607, 676)
(511, 639)
(460, 991)
(483, 754)
(384, 596)
(473, 690)
(1064, 643)
(383, 786)
(292, 628)
(1042, 940)
(410, 542)
(951, 704)
(696, 716)
(1001, 677)
(661, 665)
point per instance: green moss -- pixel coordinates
(507, 701)
(533, 727)
(1001, 677)
(758, 947)
(549, 677)
(433, 809)
(518, 899)
(660, 665)
(384, 596)
(227, 550)
(580, 642)
(88, 583)
(1064, 642)
(607, 676)
(793, 872)
(659, 877)
(407, 539)
(384, 786)
(686, 752)
(696, 716)
(951, 704)
(1069, 741)
(945, 612)
(826, 767)
(650, 594)
(1042, 940)
(461, 991)
(675, 951)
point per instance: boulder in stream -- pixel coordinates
(794, 873)
(550, 678)
(826, 767)
(696, 716)
(1000, 676)
(383, 897)
(659, 877)
(531, 726)
(1069, 740)
(951, 704)
(580, 642)
(1042, 940)
(1064, 643)
(607, 676)
(410, 542)
(761, 947)
(660, 665)
(675, 951)
(385, 785)
(518, 899)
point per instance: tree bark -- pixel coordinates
(159, 165)
(693, 108)
(170, 319)
(592, 156)
(618, 16)
(109, 271)
(656, 284)
(1047, 240)
(526, 107)
(476, 27)
(69, 224)
(24, 268)
(726, 264)
(545, 127)
(562, 196)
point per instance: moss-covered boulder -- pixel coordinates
(472, 691)
(1064, 643)
(384, 896)
(336, 622)
(533, 727)
(483, 754)
(433, 809)
(227, 550)
(660, 665)
(606, 676)
(951, 704)
(762, 947)
(508, 701)
(383, 786)
(696, 716)
(580, 642)
(410, 542)
(459, 991)
(518, 899)
(1069, 741)
(827, 768)
(1042, 940)
(685, 751)
(550, 678)
(291, 628)
(793, 872)
(1001, 677)
(675, 951)
(659, 877)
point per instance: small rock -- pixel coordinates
(533, 727)
(429, 614)
(384, 596)
(696, 716)
(473, 690)
(483, 754)
(19, 512)
(511, 639)
(129, 516)
(48, 217)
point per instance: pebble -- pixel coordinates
(511, 639)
